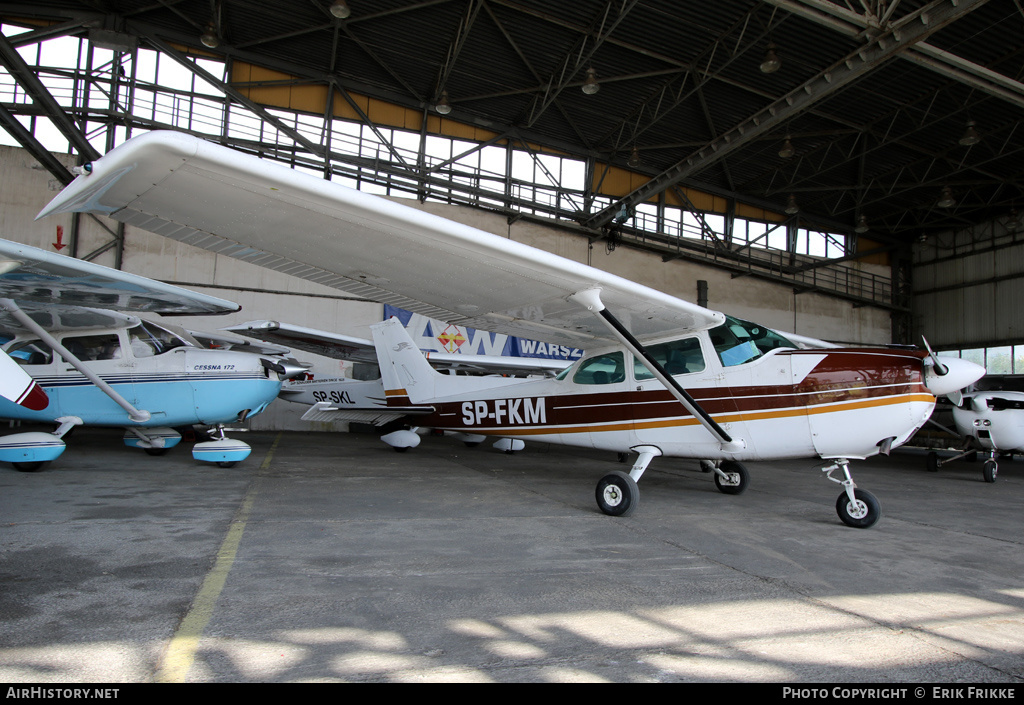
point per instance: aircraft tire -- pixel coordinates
(617, 494)
(29, 467)
(226, 463)
(862, 516)
(989, 471)
(155, 451)
(931, 461)
(733, 468)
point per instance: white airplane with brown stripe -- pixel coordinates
(661, 376)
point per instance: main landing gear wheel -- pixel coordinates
(931, 461)
(736, 477)
(860, 514)
(990, 470)
(617, 494)
(29, 467)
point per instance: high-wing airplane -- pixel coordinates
(991, 422)
(347, 399)
(72, 326)
(661, 376)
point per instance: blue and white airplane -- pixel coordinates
(72, 326)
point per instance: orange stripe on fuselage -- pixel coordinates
(691, 421)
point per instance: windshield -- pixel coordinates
(148, 339)
(737, 341)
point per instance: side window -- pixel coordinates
(603, 369)
(678, 357)
(31, 352)
(93, 347)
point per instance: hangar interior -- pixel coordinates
(843, 170)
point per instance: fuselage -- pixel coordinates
(779, 401)
(178, 383)
(992, 420)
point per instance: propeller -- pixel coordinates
(940, 369)
(950, 375)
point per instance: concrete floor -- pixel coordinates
(329, 557)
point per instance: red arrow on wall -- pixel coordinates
(60, 237)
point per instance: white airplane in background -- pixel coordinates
(661, 376)
(989, 421)
(101, 366)
(346, 399)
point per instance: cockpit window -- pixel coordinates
(603, 369)
(737, 341)
(678, 357)
(148, 339)
(31, 352)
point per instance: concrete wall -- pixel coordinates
(25, 188)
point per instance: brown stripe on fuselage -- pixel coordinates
(842, 379)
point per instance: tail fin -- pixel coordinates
(407, 376)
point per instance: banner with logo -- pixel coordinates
(433, 335)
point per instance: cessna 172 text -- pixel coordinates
(749, 395)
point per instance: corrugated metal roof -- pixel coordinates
(675, 75)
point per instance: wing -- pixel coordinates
(226, 341)
(344, 347)
(34, 276)
(56, 316)
(311, 340)
(235, 204)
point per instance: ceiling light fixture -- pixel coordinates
(443, 106)
(946, 200)
(340, 9)
(634, 158)
(971, 135)
(209, 37)
(791, 206)
(862, 225)
(771, 61)
(787, 150)
(1014, 223)
(591, 86)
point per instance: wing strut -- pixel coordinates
(591, 300)
(138, 415)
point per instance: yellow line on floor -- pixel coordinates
(181, 651)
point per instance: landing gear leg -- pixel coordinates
(857, 508)
(617, 492)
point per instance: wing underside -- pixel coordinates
(237, 205)
(34, 276)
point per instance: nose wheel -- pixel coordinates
(860, 512)
(856, 507)
(990, 470)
